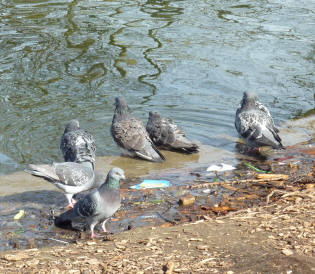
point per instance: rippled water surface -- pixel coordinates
(190, 60)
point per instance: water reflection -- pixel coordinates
(160, 10)
(188, 60)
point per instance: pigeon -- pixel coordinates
(164, 133)
(70, 177)
(255, 125)
(97, 206)
(130, 134)
(78, 145)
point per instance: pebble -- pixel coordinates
(287, 251)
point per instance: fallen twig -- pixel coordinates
(264, 179)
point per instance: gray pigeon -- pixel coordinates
(130, 134)
(97, 206)
(77, 145)
(70, 177)
(255, 125)
(164, 133)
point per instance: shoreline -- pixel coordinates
(258, 240)
(270, 237)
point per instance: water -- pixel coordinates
(190, 60)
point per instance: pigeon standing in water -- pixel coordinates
(78, 145)
(97, 206)
(168, 135)
(255, 125)
(70, 177)
(130, 134)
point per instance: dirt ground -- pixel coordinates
(275, 238)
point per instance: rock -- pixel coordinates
(287, 251)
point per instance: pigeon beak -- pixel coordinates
(123, 177)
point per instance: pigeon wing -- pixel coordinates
(77, 146)
(132, 136)
(73, 174)
(154, 128)
(86, 207)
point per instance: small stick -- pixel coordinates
(209, 184)
(60, 241)
(271, 194)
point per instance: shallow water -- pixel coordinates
(190, 60)
(160, 206)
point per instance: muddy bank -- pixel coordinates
(212, 194)
(276, 238)
(239, 218)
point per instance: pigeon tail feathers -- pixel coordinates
(44, 171)
(66, 218)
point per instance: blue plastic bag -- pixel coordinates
(152, 184)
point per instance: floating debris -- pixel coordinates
(255, 168)
(220, 168)
(152, 184)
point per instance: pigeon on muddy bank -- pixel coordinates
(97, 206)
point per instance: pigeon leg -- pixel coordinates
(71, 201)
(103, 225)
(93, 235)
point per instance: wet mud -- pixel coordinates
(194, 194)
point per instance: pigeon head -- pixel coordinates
(120, 102)
(154, 116)
(72, 125)
(113, 178)
(117, 173)
(249, 99)
(122, 110)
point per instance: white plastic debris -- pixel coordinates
(207, 191)
(220, 168)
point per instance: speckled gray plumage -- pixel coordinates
(130, 134)
(70, 177)
(77, 145)
(166, 134)
(98, 205)
(254, 123)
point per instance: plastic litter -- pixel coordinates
(256, 169)
(220, 167)
(152, 184)
(148, 217)
(19, 215)
(187, 200)
(207, 191)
